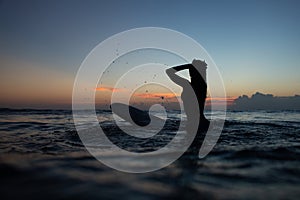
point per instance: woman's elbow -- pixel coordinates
(169, 71)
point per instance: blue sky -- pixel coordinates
(255, 44)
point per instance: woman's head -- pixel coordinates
(199, 68)
(199, 64)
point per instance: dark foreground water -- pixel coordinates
(257, 157)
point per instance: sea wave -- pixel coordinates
(42, 156)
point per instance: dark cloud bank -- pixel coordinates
(259, 101)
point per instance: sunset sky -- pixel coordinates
(255, 44)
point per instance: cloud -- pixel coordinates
(109, 89)
(259, 101)
(156, 95)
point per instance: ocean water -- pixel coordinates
(256, 157)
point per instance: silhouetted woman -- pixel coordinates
(193, 96)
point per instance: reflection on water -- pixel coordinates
(257, 156)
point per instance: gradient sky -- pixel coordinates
(255, 44)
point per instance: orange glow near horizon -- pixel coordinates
(165, 95)
(171, 96)
(220, 100)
